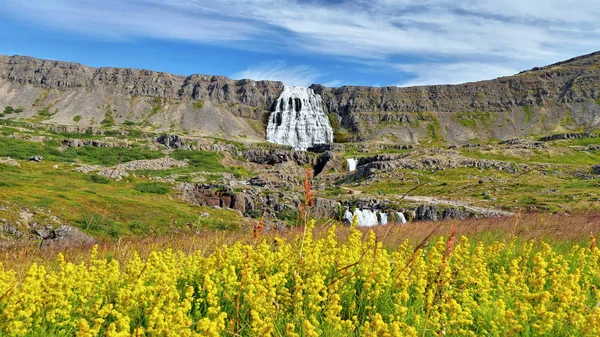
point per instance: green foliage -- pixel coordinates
(334, 121)
(597, 101)
(45, 114)
(108, 121)
(434, 131)
(528, 113)
(255, 213)
(10, 110)
(98, 225)
(289, 216)
(153, 187)
(469, 119)
(129, 123)
(98, 179)
(77, 118)
(341, 136)
(198, 104)
(208, 161)
(20, 149)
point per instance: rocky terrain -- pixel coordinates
(94, 153)
(553, 99)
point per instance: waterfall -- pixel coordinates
(367, 217)
(299, 120)
(400, 217)
(351, 164)
(383, 218)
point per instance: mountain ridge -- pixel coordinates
(542, 100)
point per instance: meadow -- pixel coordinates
(472, 278)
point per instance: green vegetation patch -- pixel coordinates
(10, 110)
(153, 187)
(198, 104)
(104, 210)
(528, 113)
(20, 149)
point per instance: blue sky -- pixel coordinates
(334, 42)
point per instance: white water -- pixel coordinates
(383, 218)
(400, 217)
(366, 217)
(299, 119)
(351, 164)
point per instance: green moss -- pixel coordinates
(528, 113)
(334, 122)
(341, 136)
(198, 104)
(77, 118)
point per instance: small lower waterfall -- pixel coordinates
(351, 164)
(367, 217)
(298, 119)
(400, 217)
(383, 218)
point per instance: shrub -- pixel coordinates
(98, 179)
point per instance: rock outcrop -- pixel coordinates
(63, 237)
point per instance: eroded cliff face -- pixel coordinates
(557, 98)
(554, 98)
(58, 92)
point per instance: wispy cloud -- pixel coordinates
(452, 73)
(279, 71)
(496, 36)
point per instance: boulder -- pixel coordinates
(426, 213)
(64, 237)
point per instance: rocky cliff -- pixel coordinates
(556, 98)
(74, 94)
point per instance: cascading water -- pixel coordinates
(299, 120)
(400, 217)
(367, 217)
(351, 164)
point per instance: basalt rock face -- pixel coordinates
(200, 104)
(558, 98)
(561, 95)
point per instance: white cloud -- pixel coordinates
(496, 35)
(452, 73)
(279, 71)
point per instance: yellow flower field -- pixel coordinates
(332, 286)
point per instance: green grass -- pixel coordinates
(105, 210)
(77, 118)
(528, 113)
(20, 149)
(98, 179)
(553, 156)
(506, 190)
(152, 187)
(199, 161)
